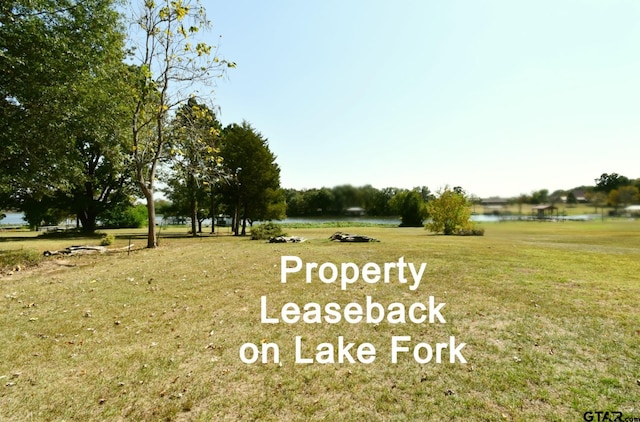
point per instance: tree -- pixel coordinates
(42, 211)
(608, 182)
(296, 202)
(449, 212)
(253, 191)
(332, 201)
(540, 197)
(321, 201)
(197, 165)
(382, 202)
(411, 207)
(598, 199)
(125, 215)
(345, 196)
(61, 119)
(613, 199)
(522, 199)
(373, 200)
(628, 195)
(624, 196)
(170, 64)
(99, 149)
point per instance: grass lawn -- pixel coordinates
(549, 313)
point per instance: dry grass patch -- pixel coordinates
(551, 331)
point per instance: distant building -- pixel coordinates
(632, 210)
(543, 211)
(355, 212)
(579, 195)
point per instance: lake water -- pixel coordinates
(479, 218)
(13, 218)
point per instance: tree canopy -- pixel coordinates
(63, 86)
(254, 186)
(197, 164)
(170, 64)
(608, 182)
(411, 206)
(449, 212)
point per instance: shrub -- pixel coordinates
(266, 231)
(107, 239)
(471, 231)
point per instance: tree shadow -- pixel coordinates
(49, 236)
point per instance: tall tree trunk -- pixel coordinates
(236, 218)
(244, 227)
(87, 208)
(212, 212)
(88, 220)
(151, 210)
(146, 178)
(193, 205)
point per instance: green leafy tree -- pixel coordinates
(374, 201)
(63, 84)
(100, 144)
(384, 200)
(608, 182)
(125, 215)
(333, 201)
(628, 195)
(321, 201)
(346, 196)
(540, 197)
(42, 212)
(171, 61)
(613, 199)
(623, 196)
(296, 202)
(46, 47)
(196, 164)
(253, 189)
(449, 212)
(410, 206)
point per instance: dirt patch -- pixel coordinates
(46, 266)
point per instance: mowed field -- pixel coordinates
(549, 314)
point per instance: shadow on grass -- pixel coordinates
(174, 235)
(137, 235)
(29, 236)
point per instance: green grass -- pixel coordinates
(549, 313)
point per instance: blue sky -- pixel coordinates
(499, 97)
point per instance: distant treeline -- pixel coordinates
(337, 200)
(611, 190)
